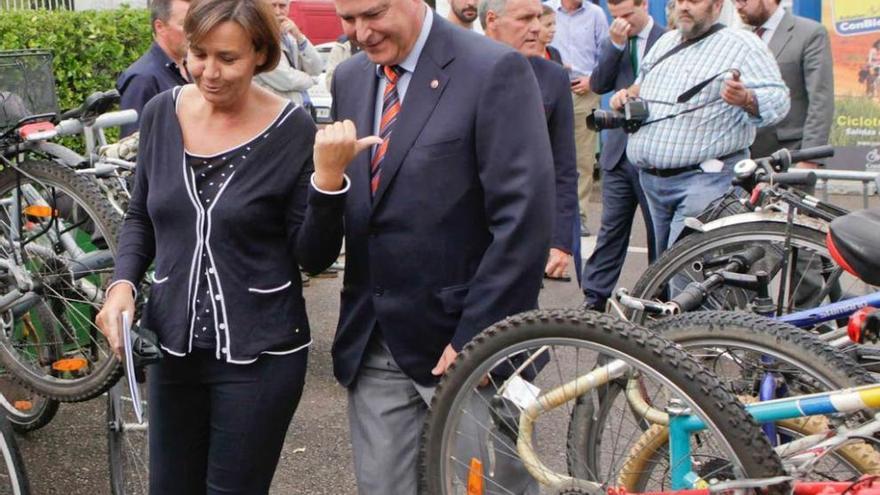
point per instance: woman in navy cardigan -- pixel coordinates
(224, 176)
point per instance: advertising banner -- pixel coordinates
(854, 28)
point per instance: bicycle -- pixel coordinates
(789, 225)
(766, 372)
(528, 371)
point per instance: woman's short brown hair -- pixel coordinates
(254, 16)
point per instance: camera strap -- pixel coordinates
(686, 43)
(690, 93)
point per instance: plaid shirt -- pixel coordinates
(718, 129)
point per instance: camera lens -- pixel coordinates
(604, 119)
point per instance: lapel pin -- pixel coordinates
(435, 84)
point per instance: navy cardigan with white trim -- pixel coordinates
(268, 222)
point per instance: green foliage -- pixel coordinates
(90, 48)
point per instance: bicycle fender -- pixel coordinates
(694, 225)
(62, 153)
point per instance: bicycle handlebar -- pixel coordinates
(810, 154)
(792, 179)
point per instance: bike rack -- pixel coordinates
(825, 176)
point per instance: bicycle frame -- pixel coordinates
(683, 425)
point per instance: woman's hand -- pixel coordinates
(336, 145)
(119, 299)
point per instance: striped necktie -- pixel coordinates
(390, 109)
(760, 31)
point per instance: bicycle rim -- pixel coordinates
(13, 476)
(128, 442)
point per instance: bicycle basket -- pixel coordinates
(731, 203)
(27, 85)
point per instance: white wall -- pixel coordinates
(108, 4)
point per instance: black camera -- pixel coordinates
(635, 113)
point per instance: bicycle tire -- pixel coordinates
(14, 479)
(650, 353)
(127, 444)
(826, 367)
(106, 222)
(680, 258)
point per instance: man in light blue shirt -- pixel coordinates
(685, 161)
(580, 29)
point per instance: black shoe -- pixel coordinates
(594, 306)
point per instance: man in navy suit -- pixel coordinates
(631, 35)
(448, 218)
(517, 23)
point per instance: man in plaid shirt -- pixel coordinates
(686, 160)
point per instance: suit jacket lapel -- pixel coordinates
(653, 36)
(364, 122)
(422, 96)
(782, 35)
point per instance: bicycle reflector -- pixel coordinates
(23, 405)
(864, 325)
(37, 131)
(40, 211)
(475, 477)
(70, 365)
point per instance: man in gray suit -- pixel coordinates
(803, 52)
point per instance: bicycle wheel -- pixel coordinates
(57, 235)
(815, 279)
(473, 432)
(25, 409)
(13, 476)
(128, 442)
(742, 349)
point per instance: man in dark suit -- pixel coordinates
(631, 35)
(160, 68)
(803, 52)
(447, 221)
(516, 23)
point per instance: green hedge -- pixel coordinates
(90, 48)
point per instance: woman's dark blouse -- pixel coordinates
(254, 234)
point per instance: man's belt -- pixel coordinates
(669, 172)
(672, 172)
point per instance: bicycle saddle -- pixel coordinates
(854, 242)
(95, 104)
